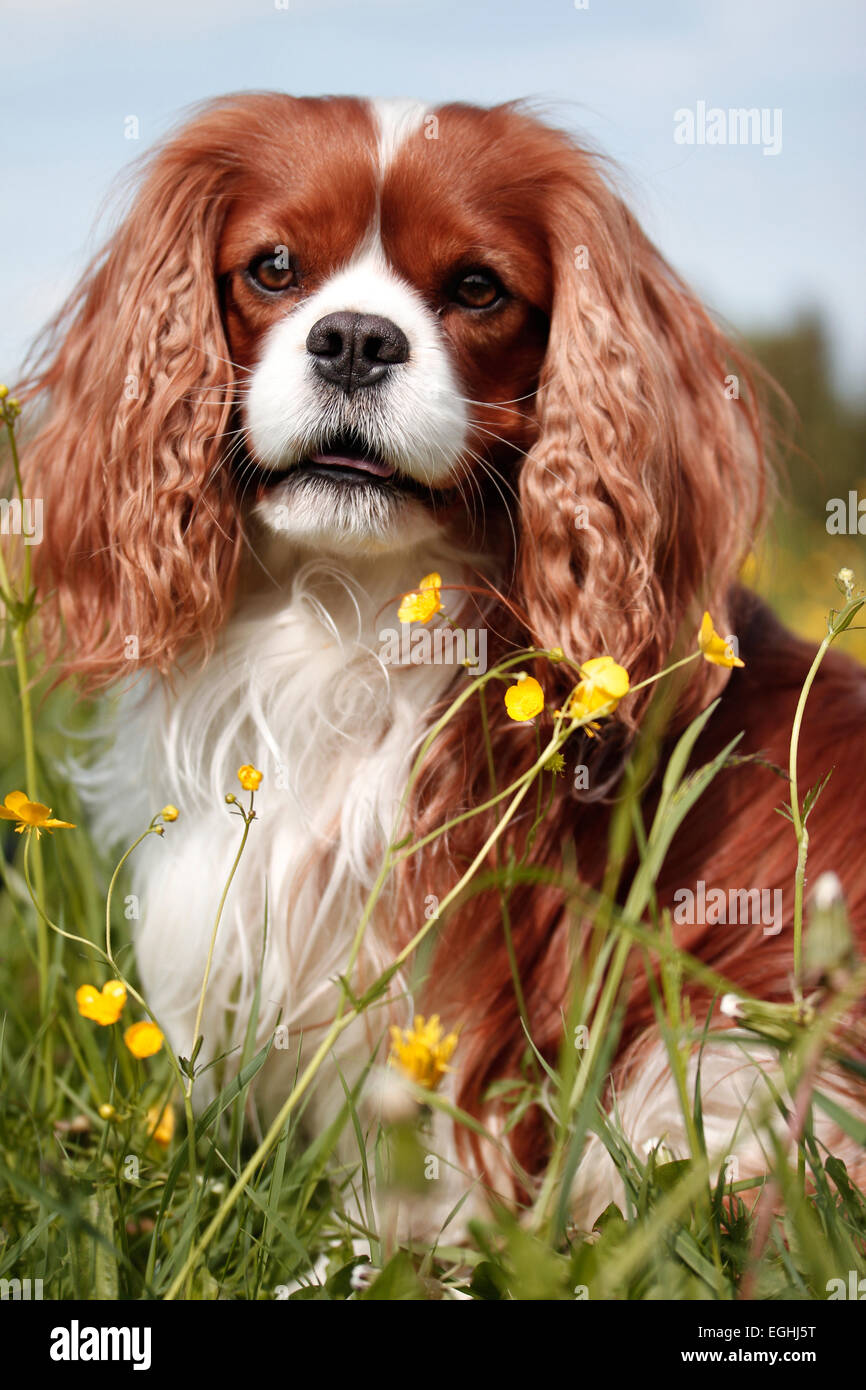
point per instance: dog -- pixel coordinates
(337, 345)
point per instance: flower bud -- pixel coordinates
(829, 952)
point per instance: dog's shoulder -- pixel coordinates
(761, 698)
(738, 816)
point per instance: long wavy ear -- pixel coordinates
(642, 494)
(140, 540)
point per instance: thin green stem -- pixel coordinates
(503, 893)
(19, 622)
(249, 817)
(152, 829)
(836, 626)
(98, 951)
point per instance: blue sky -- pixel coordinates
(760, 237)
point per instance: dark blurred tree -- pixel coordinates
(822, 456)
(826, 454)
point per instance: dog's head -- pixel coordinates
(348, 325)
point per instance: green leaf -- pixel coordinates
(488, 1283)
(220, 1103)
(398, 1282)
(676, 801)
(100, 1210)
(667, 1175)
(850, 1124)
(813, 793)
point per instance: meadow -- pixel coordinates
(115, 1183)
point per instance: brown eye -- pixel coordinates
(273, 273)
(477, 289)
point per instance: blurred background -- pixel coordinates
(769, 233)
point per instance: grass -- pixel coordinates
(102, 1198)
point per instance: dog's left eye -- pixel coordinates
(477, 289)
(273, 273)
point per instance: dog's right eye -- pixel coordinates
(273, 273)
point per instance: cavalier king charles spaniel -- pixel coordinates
(336, 345)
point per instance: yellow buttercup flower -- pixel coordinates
(143, 1039)
(422, 603)
(603, 683)
(525, 699)
(102, 1006)
(160, 1127)
(249, 777)
(421, 1052)
(714, 648)
(30, 815)
(169, 813)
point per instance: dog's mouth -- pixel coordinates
(341, 460)
(348, 460)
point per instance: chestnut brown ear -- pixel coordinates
(141, 540)
(643, 492)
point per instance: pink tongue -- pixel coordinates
(363, 465)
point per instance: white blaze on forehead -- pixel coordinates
(396, 118)
(416, 417)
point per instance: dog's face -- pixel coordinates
(388, 313)
(344, 325)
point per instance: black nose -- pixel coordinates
(354, 350)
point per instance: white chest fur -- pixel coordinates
(297, 688)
